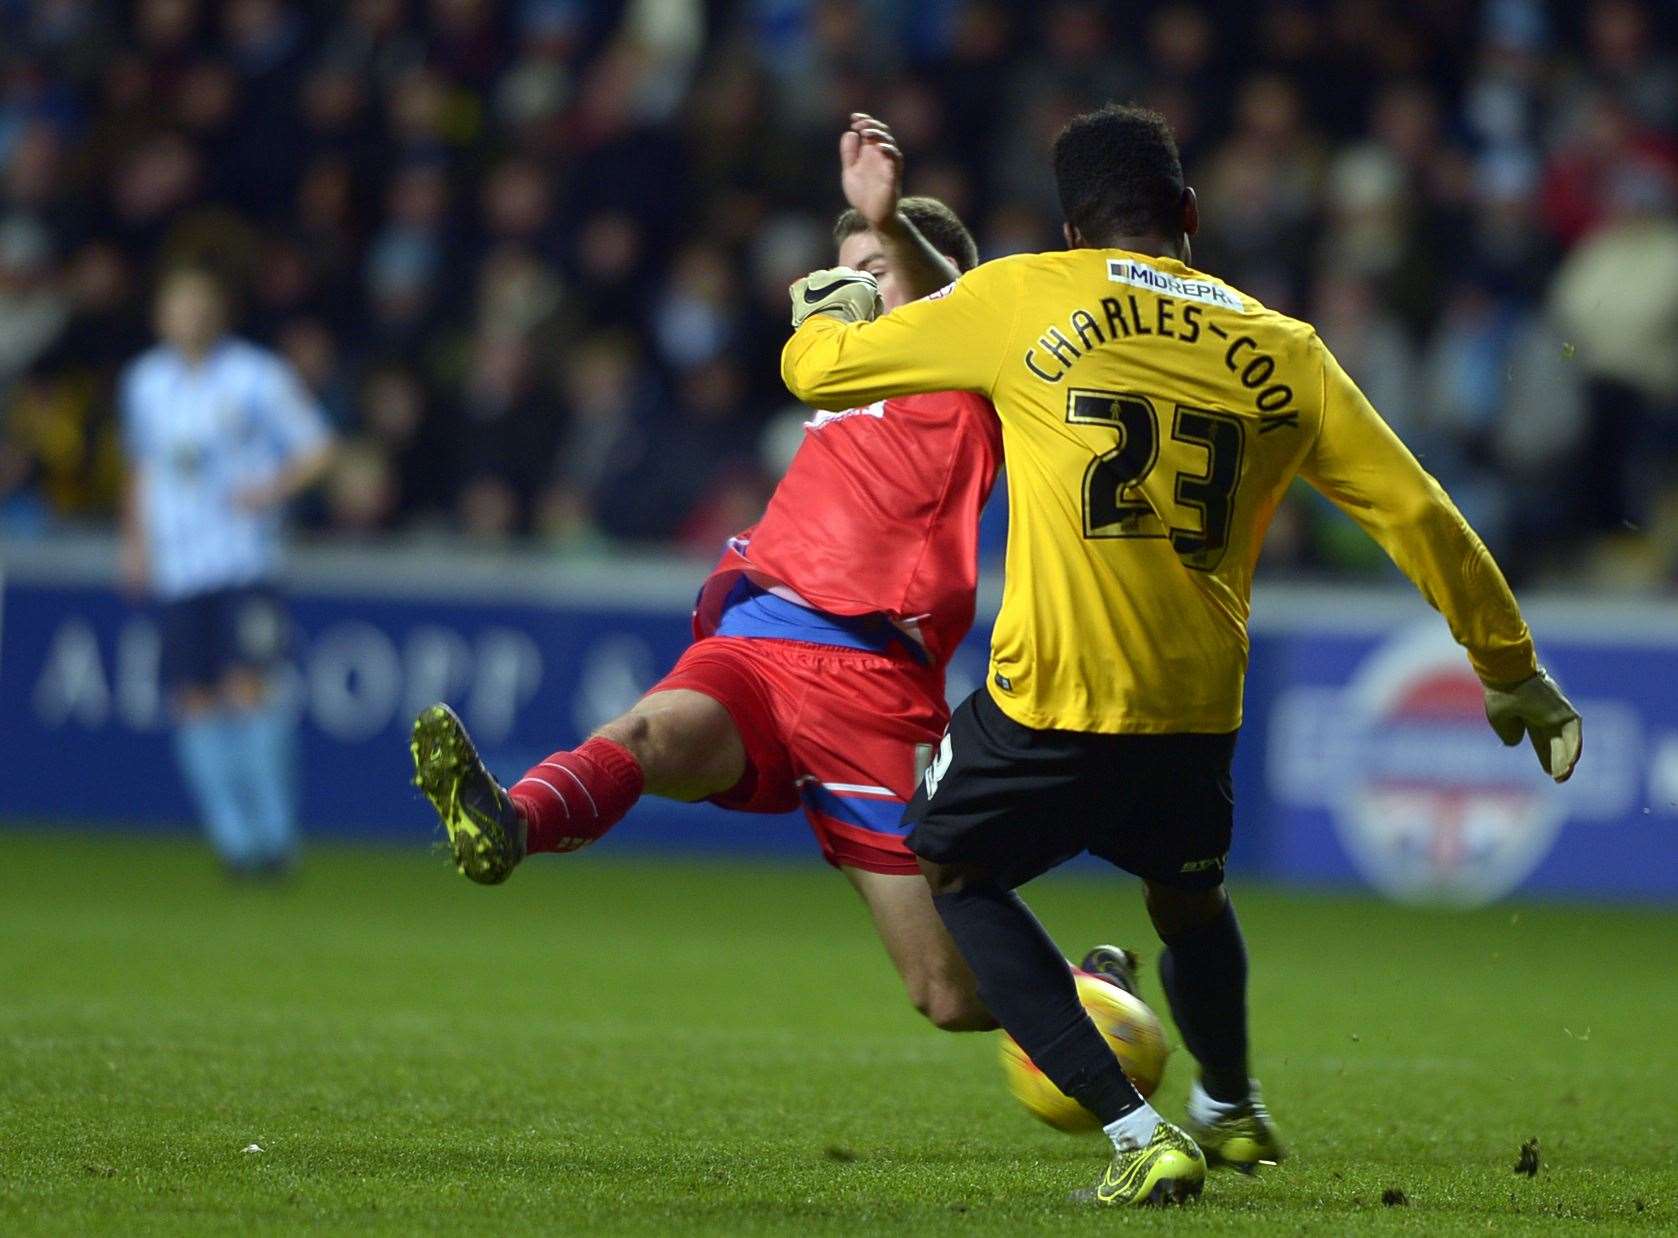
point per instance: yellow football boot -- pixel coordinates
(1242, 1139)
(1168, 1169)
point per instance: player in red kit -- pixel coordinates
(816, 678)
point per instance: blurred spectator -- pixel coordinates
(693, 319)
(525, 253)
(613, 407)
(399, 428)
(1602, 141)
(362, 491)
(1262, 190)
(1465, 372)
(1627, 60)
(509, 433)
(1373, 347)
(312, 351)
(1616, 302)
(33, 305)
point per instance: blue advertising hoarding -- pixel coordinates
(1378, 766)
(1364, 758)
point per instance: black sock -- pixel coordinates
(1025, 983)
(1205, 975)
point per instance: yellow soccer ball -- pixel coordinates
(1132, 1031)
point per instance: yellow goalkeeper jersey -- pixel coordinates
(1152, 419)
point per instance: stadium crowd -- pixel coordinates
(532, 257)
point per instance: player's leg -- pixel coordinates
(1024, 980)
(204, 739)
(1204, 970)
(255, 626)
(865, 723)
(263, 745)
(681, 744)
(206, 744)
(936, 977)
(676, 743)
(1000, 804)
(684, 740)
(938, 980)
(1174, 832)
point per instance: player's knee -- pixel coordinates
(665, 748)
(948, 1006)
(669, 767)
(1174, 910)
(634, 731)
(683, 750)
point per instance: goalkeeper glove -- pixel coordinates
(1535, 707)
(840, 292)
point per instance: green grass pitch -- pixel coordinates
(614, 1045)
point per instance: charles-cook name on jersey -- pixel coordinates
(1050, 358)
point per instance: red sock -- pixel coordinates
(572, 798)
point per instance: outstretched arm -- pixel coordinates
(871, 172)
(953, 342)
(1363, 468)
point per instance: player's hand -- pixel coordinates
(871, 169)
(839, 292)
(1535, 707)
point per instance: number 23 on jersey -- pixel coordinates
(1114, 505)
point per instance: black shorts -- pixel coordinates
(1017, 801)
(206, 635)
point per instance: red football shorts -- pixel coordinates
(841, 732)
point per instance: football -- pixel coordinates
(1132, 1030)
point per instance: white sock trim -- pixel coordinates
(1134, 1129)
(1202, 1108)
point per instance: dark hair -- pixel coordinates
(1119, 174)
(935, 221)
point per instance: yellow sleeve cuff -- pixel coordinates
(1506, 665)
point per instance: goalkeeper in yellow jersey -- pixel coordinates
(1152, 419)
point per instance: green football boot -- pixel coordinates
(1242, 1140)
(1168, 1169)
(486, 833)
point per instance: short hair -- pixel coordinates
(1119, 174)
(935, 221)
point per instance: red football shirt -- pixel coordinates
(877, 514)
